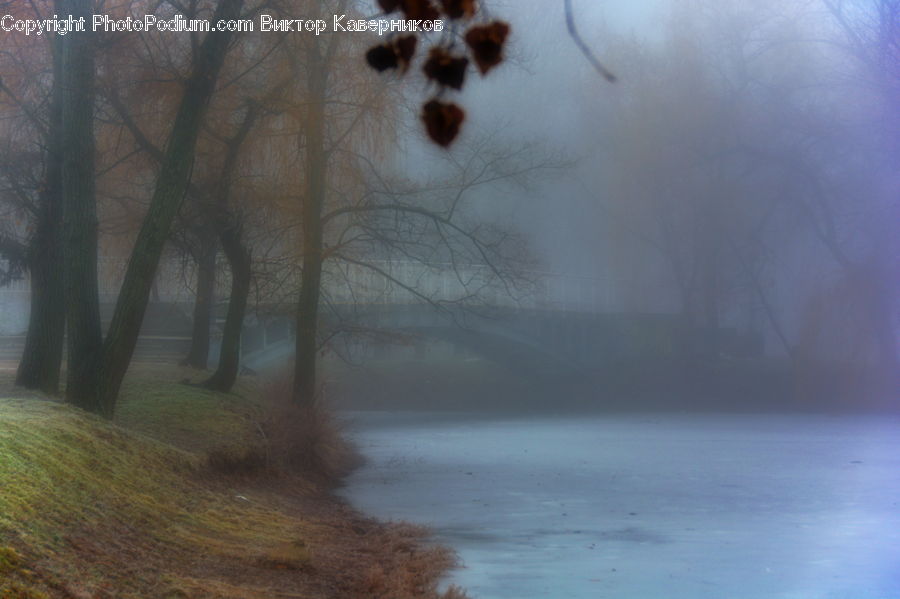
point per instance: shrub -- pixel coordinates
(306, 440)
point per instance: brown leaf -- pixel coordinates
(394, 54)
(382, 57)
(486, 43)
(442, 121)
(405, 48)
(458, 9)
(446, 69)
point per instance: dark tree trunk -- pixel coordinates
(306, 348)
(42, 357)
(80, 215)
(171, 186)
(767, 306)
(198, 354)
(238, 256)
(239, 261)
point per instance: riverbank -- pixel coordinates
(166, 503)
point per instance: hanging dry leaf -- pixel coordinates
(446, 69)
(382, 58)
(394, 54)
(405, 48)
(486, 43)
(442, 120)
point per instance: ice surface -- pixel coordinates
(662, 506)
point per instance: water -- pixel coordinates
(742, 507)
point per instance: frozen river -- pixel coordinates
(646, 506)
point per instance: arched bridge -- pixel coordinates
(539, 321)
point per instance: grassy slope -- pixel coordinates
(92, 510)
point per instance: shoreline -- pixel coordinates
(136, 510)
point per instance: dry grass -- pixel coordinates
(304, 440)
(90, 510)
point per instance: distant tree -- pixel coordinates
(676, 182)
(836, 162)
(742, 168)
(237, 252)
(203, 247)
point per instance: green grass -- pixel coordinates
(188, 416)
(71, 482)
(134, 509)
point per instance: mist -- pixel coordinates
(737, 183)
(604, 295)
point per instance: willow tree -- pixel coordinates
(356, 210)
(318, 72)
(340, 109)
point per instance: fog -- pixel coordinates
(671, 295)
(739, 178)
(732, 200)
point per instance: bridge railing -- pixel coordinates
(404, 282)
(571, 293)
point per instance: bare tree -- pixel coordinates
(33, 193)
(96, 366)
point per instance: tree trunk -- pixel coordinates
(171, 185)
(767, 306)
(80, 215)
(42, 357)
(708, 259)
(198, 354)
(238, 256)
(239, 260)
(306, 348)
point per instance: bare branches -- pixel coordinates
(437, 304)
(39, 123)
(588, 53)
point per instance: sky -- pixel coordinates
(547, 94)
(542, 95)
